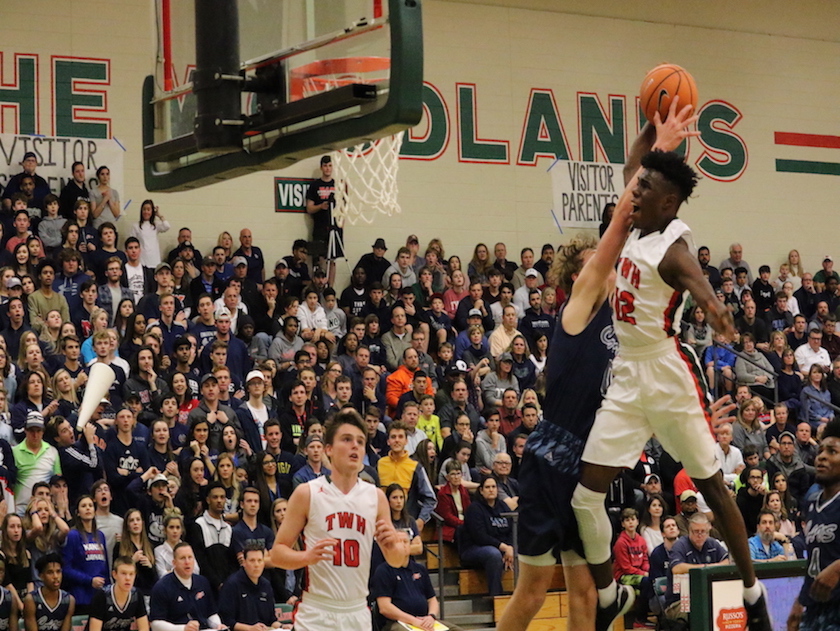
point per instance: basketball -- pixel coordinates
(661, 85)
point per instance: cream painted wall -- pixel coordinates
(779, 83)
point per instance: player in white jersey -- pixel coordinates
(658, 386)
(338, 515)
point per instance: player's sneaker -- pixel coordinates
(758, 619)
(625, 596)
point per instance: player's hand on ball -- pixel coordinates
(321, 551)
(675, 129)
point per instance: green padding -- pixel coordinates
(283, 607)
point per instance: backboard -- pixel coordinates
(248, 85)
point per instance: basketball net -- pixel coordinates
(365, 175)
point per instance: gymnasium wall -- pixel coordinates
(508, 91)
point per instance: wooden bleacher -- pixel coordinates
(552, 616)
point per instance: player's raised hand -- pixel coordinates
(321, 551)
(721, 412)
(675, 128)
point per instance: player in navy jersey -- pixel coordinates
(9, 611)
(48, 608)
(577, 371)
(820, 595)
(117, 606)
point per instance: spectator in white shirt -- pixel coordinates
(812, 353)
(731, 459)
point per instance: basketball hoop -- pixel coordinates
(365, 175)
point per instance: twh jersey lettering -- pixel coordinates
(351, 519)
(647, 310)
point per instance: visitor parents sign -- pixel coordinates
(290, 194)
(582, 189)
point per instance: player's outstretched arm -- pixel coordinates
(681, 270)
(590, 286)
(282, 554)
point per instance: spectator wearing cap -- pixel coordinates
(249, 291)
(237, 353)
(150, 494)
(35, 460)
(464, 340)
(788, 461)
(827, 271)
(215, 413)
(287, 285)
(184, 242)
(254, 413)
(296, 262)
(314, 467)
(531, 282)
(207, 282)
(42, 189)
(146, 230)
(149, 304)
(45, 299)
(374, 263)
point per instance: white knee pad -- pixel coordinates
(593, 524)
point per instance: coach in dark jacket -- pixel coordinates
(247, 597)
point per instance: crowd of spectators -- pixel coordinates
(228, 369)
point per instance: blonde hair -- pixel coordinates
(71, 396)
(568, 261)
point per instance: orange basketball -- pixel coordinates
(661, 85)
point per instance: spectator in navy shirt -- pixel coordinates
(246, 597)
(183, 600)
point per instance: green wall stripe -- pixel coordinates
(808, 166)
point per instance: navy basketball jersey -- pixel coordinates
(50, 618)
(5, 608)
(113, 616)
(577, 372)
(823, 543)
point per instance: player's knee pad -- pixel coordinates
(593, 524)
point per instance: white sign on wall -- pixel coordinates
(582, 189)
(56, 155)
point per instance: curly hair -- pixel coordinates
(568, 261)
(673, 168)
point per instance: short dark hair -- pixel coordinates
(673, 168)
(831, 430)
(42, 563)
(763, 269)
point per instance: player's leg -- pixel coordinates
(583, 598)
(529, 595)
(681, 423)
(594, 523)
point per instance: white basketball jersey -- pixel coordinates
(647, 310)
(351, 519)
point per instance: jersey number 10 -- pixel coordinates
(346, 553)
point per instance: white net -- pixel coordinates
(366, 180)
(365, 175)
